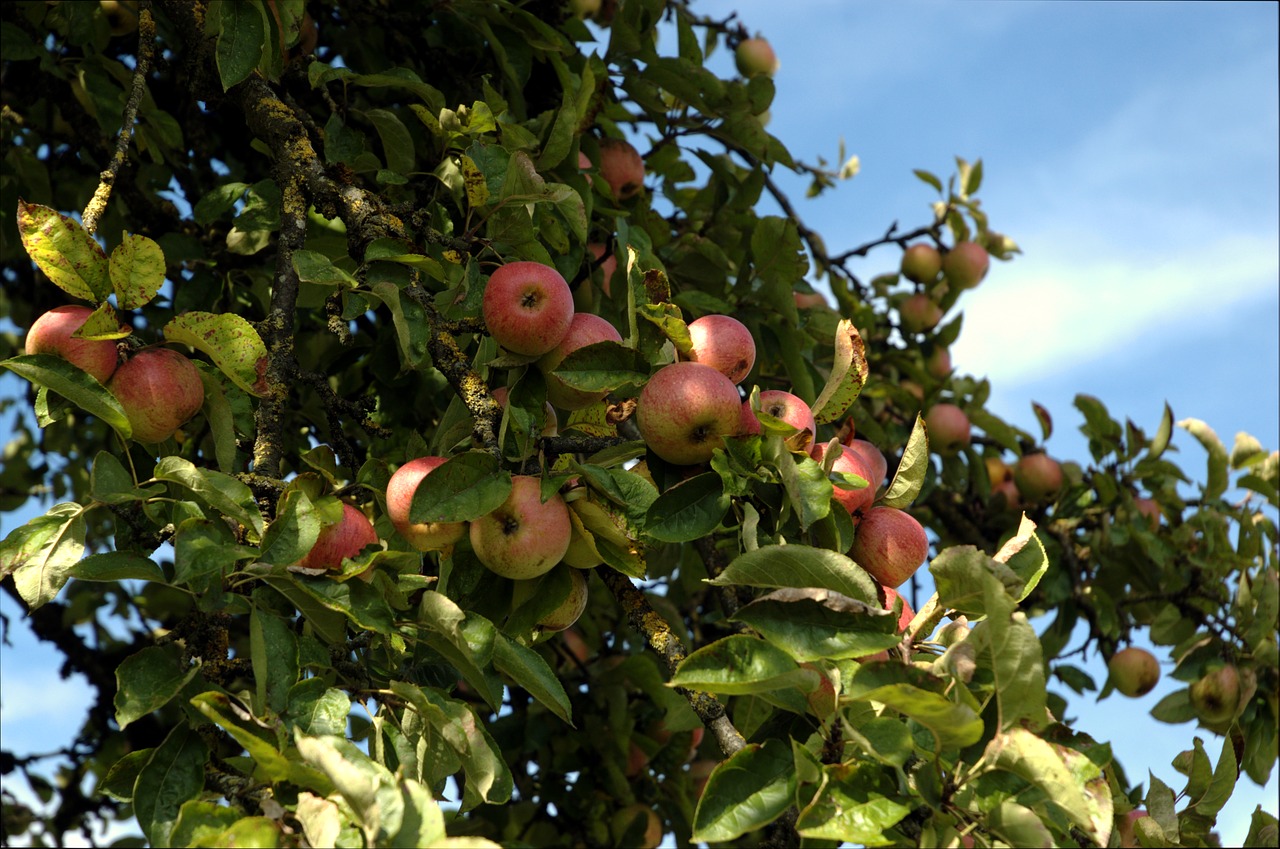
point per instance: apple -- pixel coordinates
(810, 301)
(685, 410)
(966, 264)
(856, 501)
(1149, 510)
(524, 537)
(789, 408)
(873, 458)
(550, 422)
(571, 608)
(1002, 485)
(1216, 696)
(622, 168)
(919, 313)
(345, 538)
(948, 429)
(576, 646)
(890, 545)
(159, 390)
(1129, 840)
(52, 332)
(423, 536)
(921, 263)
(699, 772)
(725, 344)
(938, 363)
(607, 268)
(121, 15)
(527, 307)
(1037, 476)
(626, 833)
(904, 619)
(755, 57)
(1134, 671)
(584, 329)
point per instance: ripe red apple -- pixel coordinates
(607, 268)
(345, 538)
(576, 645)
(725, 344)
(938, 363)
(921, 263)
(1002, 485)
(790, 409)
(622, 168)
(527, 307)
(524, 537)
(890, 596)
(966, 264)
(622, 831)
(159, 390)
(685, 410)
(571, 608)
(919, 313)
(890, 545)
(856, 501)
(755, 57)
(1134, 671)
(1148, 509)
(1216, 696)
(1129, 840)
(948, 429)
(584, 329)
(424, 536)
(810, 301)
(51, 334)
(874, 459)
(1038, 477)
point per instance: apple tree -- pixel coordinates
(445, 450)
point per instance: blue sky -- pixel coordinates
(1130, 149)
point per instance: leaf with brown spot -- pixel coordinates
(848, 375)
(64, 251)
(230, 341)
(137, 271)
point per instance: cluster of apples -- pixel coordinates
(158, 388)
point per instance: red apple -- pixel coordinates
(527, 307)
(725, 344)
(948, 429)
(159, 390)
(890, 545)
(576, 645)
(1149, 510)
(810, 301)
(874, 459)
(1134, 671)
(919, 313)
(904, 619)
(685, 410)
(699, 772)
(755, 57)
(1002, 485)
(921, 263)
(607, 268)
(423, 536)
(856, 501)
(345, 538)
(938, 363)
(1129, 840)
(584, 329)
(51, 334)
(789, 408)
(1038, 477)
(525, 536)
(966, 264)
(622, 168)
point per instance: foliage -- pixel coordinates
(307, 198)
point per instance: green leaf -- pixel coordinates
(600, 367)
(136, 270)
(147, 681)
(357, 600)
(367, 786)
(204, 551)
(1019, 825)
(103, 323)
(1025, 556)
(1038, 762)
(1222, 785)
(1174, 708)
(911, 472)
(526, 668)
(294, 530)
(111, 483)
(1216, 483)
(117, 566)
(808, 487)
(423, 822)
(200, 823)
(318, 709)
(64, 251)
(799, 566)
(817, 624)
(690, 510)
(855, 804)
(918, 695)
(740, 665)
(174, 774)
(463, 488)
(1161, 440)
(123, 775)
(42, 553)
(961, 574)
(747, 791)
(222, 492)
(314, 267)
(58, 375)
(273, 652)
(397, 144)
(469, 649)
(230, 341)
(926, 177)
(242, 35)
(849, 372)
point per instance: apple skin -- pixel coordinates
(423, 536)
(904, 619)
(527, 307)
(810, 301)
(1149, 510)
(966, 264)
(1134, 671)
(1038, 477)
(159, 390)
(622, 168)
(948, 429)
(524, 537)
(571, 608)
(584, 329)
(919, 313)
(51, 334)
(755, 57)
(874, 459)
(685, 409)
(789, 408)
(1129, 840)
(1216, 696)
(856, 501)
(1002, 485)
(938, 363)
(725, 344)
(890, 545)
(921, 263)
(346, 537)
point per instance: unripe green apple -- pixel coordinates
(1038, 477)
(622, 167)
(685, 410)
(527, 307)
(755, 57)
(584, 329)
(423, 536)
(524, 537)
(921, 263)
(919, 313)
(1216, 696)
(51, 334)
(724, 343)
(948, 429)
(571, 608)
(159, 390)
(966, 264)
(1134, 671)
(890, 545)
(345, 538)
